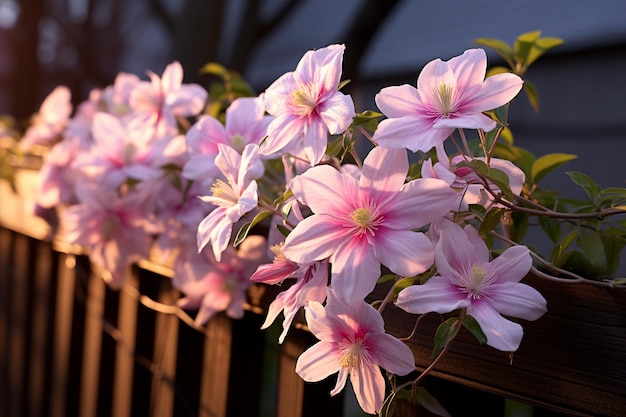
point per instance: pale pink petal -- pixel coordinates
(435, 74)
(322, 67)
(391, 354)
(512, 265)
(501, 333)
(324, 325)
(434, 197)
(496, 91)
(469, 68)
(404, 252)
(437, 295)
(413, 133)
(325, 190)
(517, 300)
(315, 238)
(314, 140)
(318, 362)
(466, 121)
(384, 172)
(172, 77)
(337, 113)
(188, 101)
(282, 133)
(398, 101)
(355, 270)
(369, 387)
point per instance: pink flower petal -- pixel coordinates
(501, 333)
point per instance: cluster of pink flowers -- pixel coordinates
(140, 170)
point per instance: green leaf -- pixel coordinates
(540, 47)
(591, 245)
(445, 332)
(523, 44)
(283, 230)
(213, 68)
(532, 95)
(590, 188)
(492, 219)
(547, 163)
(519, 156)
(551, 227)
(241, 234)
(429, 402)
(501, 47)
(557, 256)
(245, 229)
(367, 119)
(472, 325)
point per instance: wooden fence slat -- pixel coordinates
(216, 367)
(124, 356)
(62, 335)
(165, 345)
(290, 385)
(6, 236)
(18, 325)
(40, 329)
(90, 370)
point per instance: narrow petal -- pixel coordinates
(314, 238)
(325, 190)
(496, 91)
(282, 134)
(469, 68)
(437, 295)
(501, 333)
(404, 252)
(391, 354)
(355, 271)
(398, 101)
(512, 265)
(384, 172)
(369, 387)
(413, 133)
(518, 300)
(466, 121)
(337, 113)
(318, 362)
(432, 197)
(314, 141)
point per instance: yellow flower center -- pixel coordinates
(353, 354)
(444, 97)
(277, 250)
(478, 277)
(303, 101)
(362, 217)
(225, 193)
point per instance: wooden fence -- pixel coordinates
(70, 346)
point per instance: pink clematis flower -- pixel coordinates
(164, 98)
(233, 198)
(353, 342)
(245, 123)
(115, 230)
(211, 286)
(450, 94)
(362, 224)
(486, 288)
(51, 120)
(469, 185)
(310, 285)
(308, 106)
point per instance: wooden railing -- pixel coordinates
(70, 346)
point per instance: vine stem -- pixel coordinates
(438, 359)
(573, 278)
(388, 297)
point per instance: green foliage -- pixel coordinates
(230, 86)
(526, 49)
